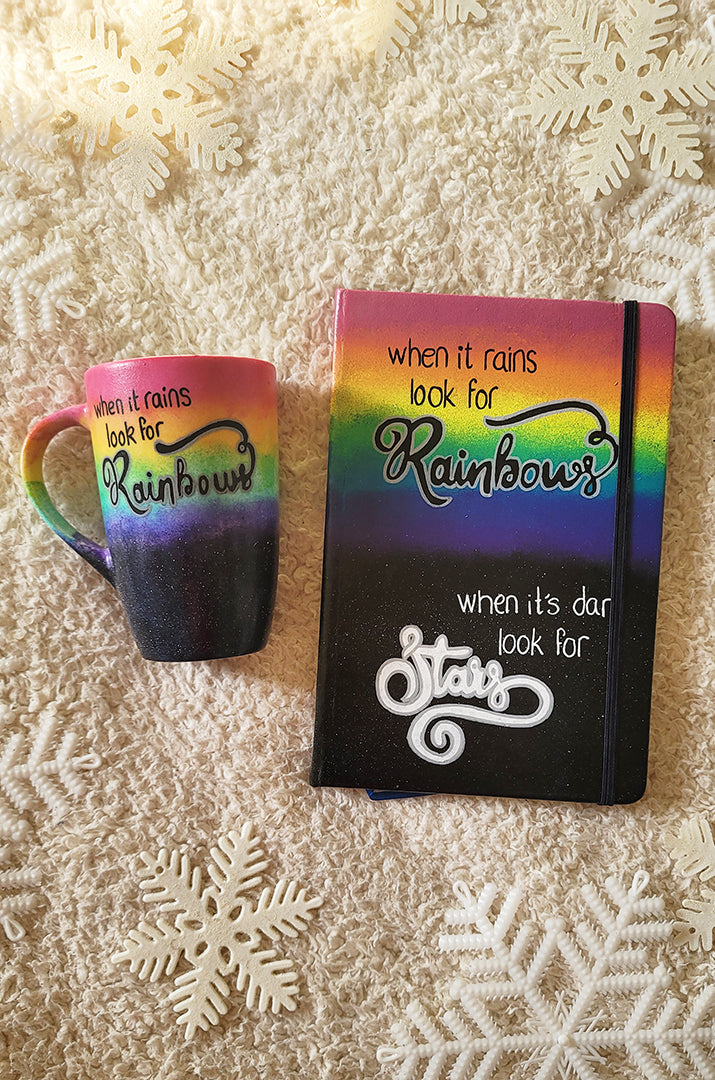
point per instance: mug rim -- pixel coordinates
(176, 356)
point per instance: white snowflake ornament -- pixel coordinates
(696, 922)
(580, 1002)
(140, 85)
(36, 271)
(13, 902)
(218, 931)
(693, 851)
(385, 27)
(673, 238)
(27, 138)
(625, 90)
(31, 774)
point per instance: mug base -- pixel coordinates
(206, 598)
(159, 656)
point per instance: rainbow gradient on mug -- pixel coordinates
(175, 456)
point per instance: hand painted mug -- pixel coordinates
(186, 454)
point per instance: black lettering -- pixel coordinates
(526, 481)
(557, 477)
(506, 468)
(165, 491)
(108, 408)
(408, 444)
(115, 481)
(183, 478)
(398, 437)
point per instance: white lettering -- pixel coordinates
(434, 734)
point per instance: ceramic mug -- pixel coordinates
(186, 454)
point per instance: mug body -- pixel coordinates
(186, 453)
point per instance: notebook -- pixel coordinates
(492, 545)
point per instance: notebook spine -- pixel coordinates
(621, 547)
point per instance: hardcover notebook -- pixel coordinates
(492, 545)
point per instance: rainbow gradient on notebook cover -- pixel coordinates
(575, 353)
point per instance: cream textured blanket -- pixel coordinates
(419, 175)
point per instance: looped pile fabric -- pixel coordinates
(418, 176)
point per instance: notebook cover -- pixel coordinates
(469, 539)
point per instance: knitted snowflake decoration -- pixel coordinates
(217, 931)
(584, 1002)
(36, 271)
(14, 902)
(141, 84)
(674, 240)
(693, 851)
(386, 26)
(624, 88)
(28, 775)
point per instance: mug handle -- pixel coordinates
(33, 452)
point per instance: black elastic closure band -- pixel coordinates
(621, 538)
